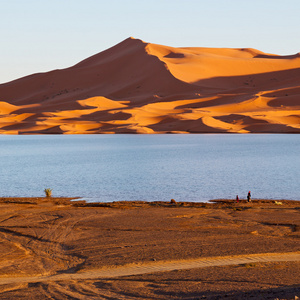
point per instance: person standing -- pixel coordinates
(237, 198)
(249, 196)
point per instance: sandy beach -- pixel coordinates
(58, 249)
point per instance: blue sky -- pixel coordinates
(42, 35)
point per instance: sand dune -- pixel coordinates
(138, 87)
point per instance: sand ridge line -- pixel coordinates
(240, 90)
(162, 266)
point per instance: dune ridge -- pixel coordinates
(139, 87)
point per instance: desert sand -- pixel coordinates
(139, 87)
(59, 249)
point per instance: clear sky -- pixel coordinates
(42, 35)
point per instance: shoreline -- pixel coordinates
(75, 242)
(78, 202)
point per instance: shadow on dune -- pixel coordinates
(256, 82)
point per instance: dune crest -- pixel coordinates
(139, 87)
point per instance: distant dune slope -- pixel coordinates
(137, 87)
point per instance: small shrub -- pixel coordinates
(48, 192)
(250, 265)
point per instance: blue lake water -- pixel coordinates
(193, 167)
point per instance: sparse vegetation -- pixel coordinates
(48, 192)
(250, 265)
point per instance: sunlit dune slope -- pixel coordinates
(137, 87)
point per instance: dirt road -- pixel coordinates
(161, 266)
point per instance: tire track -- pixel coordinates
(163, 266)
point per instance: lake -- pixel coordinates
(195, 167)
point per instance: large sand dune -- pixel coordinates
(137, 87)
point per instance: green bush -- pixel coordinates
(48, 192)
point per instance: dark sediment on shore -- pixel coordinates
(216, 203)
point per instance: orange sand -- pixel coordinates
(137, 87)
(52, 248)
